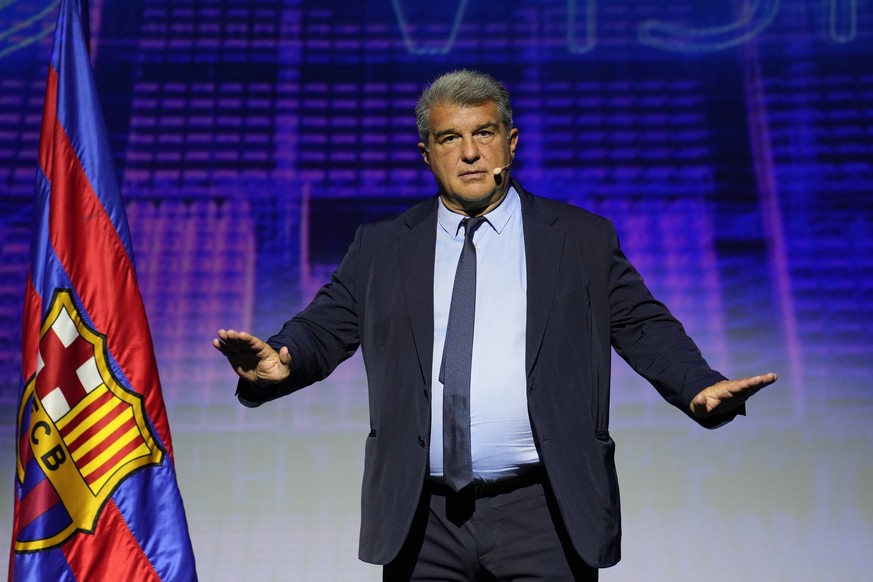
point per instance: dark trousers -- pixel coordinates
(505, 531)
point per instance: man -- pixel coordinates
(493, 461)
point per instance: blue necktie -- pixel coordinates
(456, 365)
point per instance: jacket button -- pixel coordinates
(421, 442)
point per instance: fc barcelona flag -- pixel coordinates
(95, 491)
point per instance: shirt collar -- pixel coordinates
(497, 218)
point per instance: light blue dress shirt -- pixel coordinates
(500, 432)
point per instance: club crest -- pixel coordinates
(80, 433)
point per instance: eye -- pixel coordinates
(449, 139)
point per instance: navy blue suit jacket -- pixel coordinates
(583, 298)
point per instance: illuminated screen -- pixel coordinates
(730, 142)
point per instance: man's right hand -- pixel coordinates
(251, 358)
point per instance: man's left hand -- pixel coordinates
(728, 395)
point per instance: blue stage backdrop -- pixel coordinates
(731, 143)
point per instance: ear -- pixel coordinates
(424, 153)
(513, 142)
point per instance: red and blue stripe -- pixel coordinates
(81, 242)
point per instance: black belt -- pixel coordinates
(532, 476)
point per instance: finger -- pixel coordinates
(698, 405)
(254, 343)
(757, 382)
(284, 356)
(239, 340)
(240, 337)
(227, 348)
(768, 378)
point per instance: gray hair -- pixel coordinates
(462, 87)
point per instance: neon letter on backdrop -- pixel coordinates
(422, 22)
(581, 37)
(754, 18)
(842, 20)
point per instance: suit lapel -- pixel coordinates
(543, 245)
(416, 247)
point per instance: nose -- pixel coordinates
(469, 149)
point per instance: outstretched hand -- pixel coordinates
(728, 395)
(251, 358)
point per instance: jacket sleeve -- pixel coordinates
(320, 337)
(653, 342)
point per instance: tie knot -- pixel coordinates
(471, 224)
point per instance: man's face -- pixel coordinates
(464, 147)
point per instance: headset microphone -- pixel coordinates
(500, 170)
